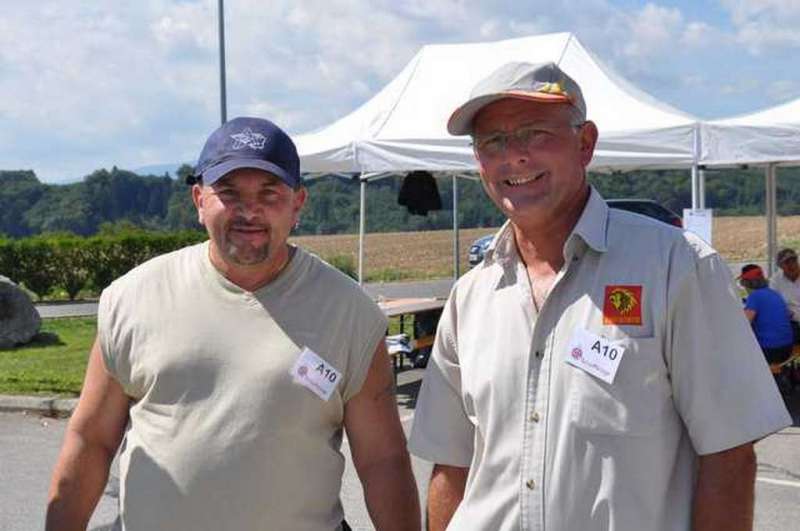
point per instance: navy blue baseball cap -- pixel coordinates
(248, 143)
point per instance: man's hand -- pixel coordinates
(445, 493)
(93, 435)
(724, 494)
(378, 446)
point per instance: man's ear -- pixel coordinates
(588, 141)
(300, 196)
(197, 199)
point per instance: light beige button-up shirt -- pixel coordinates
(789, 290)
(551, 447)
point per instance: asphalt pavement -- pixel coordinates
(439, 289)
(29, 445)
(378, 290)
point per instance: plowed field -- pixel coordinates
(429, 254)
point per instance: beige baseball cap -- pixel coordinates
(542, 82)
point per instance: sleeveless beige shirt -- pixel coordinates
(220, 436)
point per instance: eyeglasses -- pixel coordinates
(530, 136)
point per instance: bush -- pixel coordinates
(73, 263)
(344, 263)
(7, 259)
(36, 267)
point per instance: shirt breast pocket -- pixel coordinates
(638, 403)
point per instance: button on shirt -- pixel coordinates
(552, 447)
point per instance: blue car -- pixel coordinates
(478, 249)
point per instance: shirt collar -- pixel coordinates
(592, 226)
(502, 248)
(591, 231)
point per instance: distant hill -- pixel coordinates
(157, 201)
(159, 169)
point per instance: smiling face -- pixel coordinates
(539, 172)
(248, 215)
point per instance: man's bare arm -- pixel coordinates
(445, 493)
(378, 446)
(724, 494)
(93, 435)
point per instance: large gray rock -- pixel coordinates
(19, 320)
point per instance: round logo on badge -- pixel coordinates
(302, 370)
(577, 353)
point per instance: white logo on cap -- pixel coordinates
(248, 138)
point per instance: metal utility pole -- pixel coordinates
(222, 97)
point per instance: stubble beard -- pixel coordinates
(247, 255)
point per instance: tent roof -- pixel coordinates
(403, 127)
(769, 135)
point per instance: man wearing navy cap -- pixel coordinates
(232, 368)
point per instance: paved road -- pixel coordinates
(66, 309)
(378, 290)
(29, 445)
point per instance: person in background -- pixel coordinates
(769, 316)
(787, 283)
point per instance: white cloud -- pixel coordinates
(136, 83)
(694, 81)
(446, 12)
(745, 86)
(762, 25)
(700, 34)
(652, 31)
(783, 90)
(489, 29)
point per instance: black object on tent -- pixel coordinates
(419, 193)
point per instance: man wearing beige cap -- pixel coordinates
(596, 370)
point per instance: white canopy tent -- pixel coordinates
(764, 137)
(768, 138)
(403, 127)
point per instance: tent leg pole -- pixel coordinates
(772, 219)
(456, 254)
(695, 187)
(362, 224)
(701, 189)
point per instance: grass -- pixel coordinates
(53, 363)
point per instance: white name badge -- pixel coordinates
(315, 374)
(597, 355)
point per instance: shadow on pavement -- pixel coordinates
(407, 393)
(792, 402)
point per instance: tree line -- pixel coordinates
(162, 203)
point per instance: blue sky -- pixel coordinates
(86, 84)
